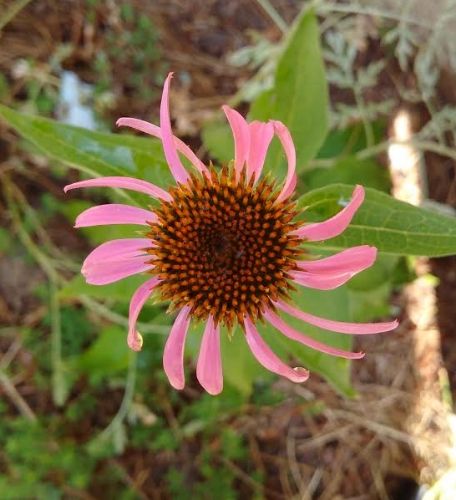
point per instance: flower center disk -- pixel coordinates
(223, 246)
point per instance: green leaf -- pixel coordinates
(120, 290)
(349, 170)
(334, 304)
(299, 97)
(218, 140)
(391, 225)
(341, 143)
(240, 368)
(107, 355)
(93, 153)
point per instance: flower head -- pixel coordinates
(223, 247)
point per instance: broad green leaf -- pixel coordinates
(391, 225)
(376, 275)
(299, 97)
(349, 170)
(240, 368)
(367, 305)
(93, 153)
(341, 143)
(218, 140)
(334, 304)
(107, 355)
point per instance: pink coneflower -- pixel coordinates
(223, 248)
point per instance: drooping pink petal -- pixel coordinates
(293, 334)
(110, 272)
(115, 260)
(137, 302)
(335, 225)
(241, 137)
(261, 135)
(149, 128)
(268, 358)
(209, 366)
(119, 249)
(122, 182)
(337, 326)
(353, 260)
(173, 355)
(287, 143)
(169, 146)
(320, 281)
(114, 213)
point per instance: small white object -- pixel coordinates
(72, 108)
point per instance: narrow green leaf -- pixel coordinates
(120, 291)
(391, 225)
(299, 97)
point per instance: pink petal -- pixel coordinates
(261, 135)
(241, 137)
(173, 356)
(120, 249)
(149, 128)
(268, 359)
(292, 334)
(335, 225)
(110, 272)
(169, 146)
(122, 182)
(352, 260)
(209, 366)
(337, 326)
(115, 260)
(287, 143)
(320, 281)
(114, 213)
(137, 302)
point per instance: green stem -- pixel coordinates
(273, 14)
(126, 400)
(58, 389)
(350, 8)
(422, 146)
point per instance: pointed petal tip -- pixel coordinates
(228, 109)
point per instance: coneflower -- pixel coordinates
(223, 247)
